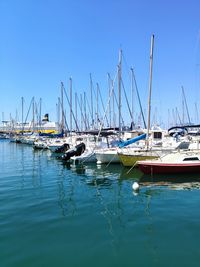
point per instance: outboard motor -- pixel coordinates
(76, 151)
(80, 149)
(62, 149)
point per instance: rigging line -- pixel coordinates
(126, 65)
(196, 112)
(36, 111)
(63, 113)
(108, 164)
(186, 105)
(115, 97)
(101, 124)
(91, 95)
(106, 213)
(178, 116)
(111, 84)
(131, 168)
(95, 96)
(65, 120)
(82, 115)
(112, 87)
(137, 92)
(173, 117)
(89, 108)
(131, 115)
(29, 110)
(71, 109)
(102, 102)
(85, 110)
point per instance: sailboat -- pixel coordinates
(109, 154)
(156, 143)
(130, 157)
(176, 162)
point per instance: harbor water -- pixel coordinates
(55, 214)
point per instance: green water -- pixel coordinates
(59, 215)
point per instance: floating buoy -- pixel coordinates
(135, 186)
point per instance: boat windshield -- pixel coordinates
(192, 158)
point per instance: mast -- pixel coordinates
(184, 100)
(62, 108)
(113, 104)
(168, 114)
(57, 121)
(33, 114)
(82, 117)
(97, 107)
(174, 117)
(85, 115)
(150, 87)
(76, 114)
(70, 103)
(132, 97)
(80, 105)
(119, 89)
(178, 116)
(109, 92)
(102, 103)
(40, 115)
(22, 114)
(2, 119)
(91, 94)
(58, 112)
(11, 122)
(183, 109)
(196, 113)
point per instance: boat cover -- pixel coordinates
(132, 140)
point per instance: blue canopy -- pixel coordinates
(131, 141)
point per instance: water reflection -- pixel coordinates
(95, 175)
(98, 194)
(103, 180)
(174, 181)
(122, 209)
(25, 164)
(99, 182)
(66, 200)
(127, 174)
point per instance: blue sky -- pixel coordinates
(44, 42)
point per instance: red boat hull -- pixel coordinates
(167, 168)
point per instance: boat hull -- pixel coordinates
(88, 157)
(130, 160)
(107, 157)
(168, 168)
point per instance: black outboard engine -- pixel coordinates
(62, 149)
(76, 151)
(80, 149)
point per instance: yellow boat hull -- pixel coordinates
(130, 160)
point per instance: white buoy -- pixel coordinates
(135, 186)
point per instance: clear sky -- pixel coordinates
(44, 42)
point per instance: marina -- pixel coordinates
(52, 211)
(99, 133)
